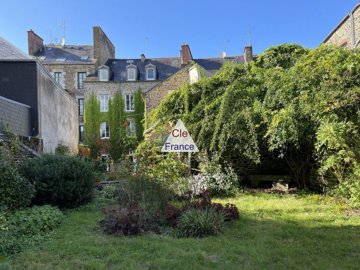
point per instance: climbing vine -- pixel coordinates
(92, 125)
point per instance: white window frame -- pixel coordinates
(103, 75)
(153, 68)
(131, 69)
(131, 127)
(58, 77)
(104, 102)
(81, 130)
(104, 130)
(80, 81)
(129, 102)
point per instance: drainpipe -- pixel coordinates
(352, 25)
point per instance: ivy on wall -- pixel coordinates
(139, 114)
(92, 125)
(121, 139)
(117, 125)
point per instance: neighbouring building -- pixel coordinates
(156, 77)
(33, 104)
(347, 33)
(192, 69)
(71, 64)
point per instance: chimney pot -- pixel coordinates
(143, 58)
(35, 43)
(185, 54)
(248, 54)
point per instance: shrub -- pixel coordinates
(200, 223)
(26, 228)
(230, 210)
(149, 194)
(130, 220)
(64, 181)
(15, 190)
(35, 220)
(141, 206)
(215, 180)
(349, 190)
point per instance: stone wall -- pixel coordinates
(111, 87)
(347, 33)
(58, 114)
(15, 116)
(69, 75)
(154, 96)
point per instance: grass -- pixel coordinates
(274, 232)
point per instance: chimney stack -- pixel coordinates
(143, 58)
(185, 54)
(248, 54)
(35, 43)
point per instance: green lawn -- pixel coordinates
(274, 232)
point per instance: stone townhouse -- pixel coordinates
(191, 71)
(32, 104)
(71, 64)
(156, 77)
(347, 33)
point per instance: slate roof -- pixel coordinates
(165, 67)
(10, 52)
(212, 65)
(68, 54)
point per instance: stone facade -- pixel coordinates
(347, 33)
(69, 76)
(15, 116)
(154, 96)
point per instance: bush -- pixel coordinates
(15, 191)
(64, 181)
(35, 220)
(215, 180)
(230, 210)
(141, 205)
(200, 223)
(349, 190)
(26, 228)
(130, 220)
(147, 193)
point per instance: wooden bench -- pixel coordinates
(255, 179)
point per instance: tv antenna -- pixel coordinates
(62, 25)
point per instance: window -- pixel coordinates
(81, 133)
(57, 77)
(104, 130)
(105, 159)
(131, 73)
(103, 74)
(80, 79)
(104, 103)
(81, 106)
(131, 127)
(129, 102)
(150, 73)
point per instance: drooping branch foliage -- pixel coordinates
(92, 125)
(292, 110)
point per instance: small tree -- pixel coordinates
(117, 125)
(139, 114)
(92, 125)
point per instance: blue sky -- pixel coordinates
(159, 27)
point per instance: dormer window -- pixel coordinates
(103, 73)
(131, 72)
(150, 72)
